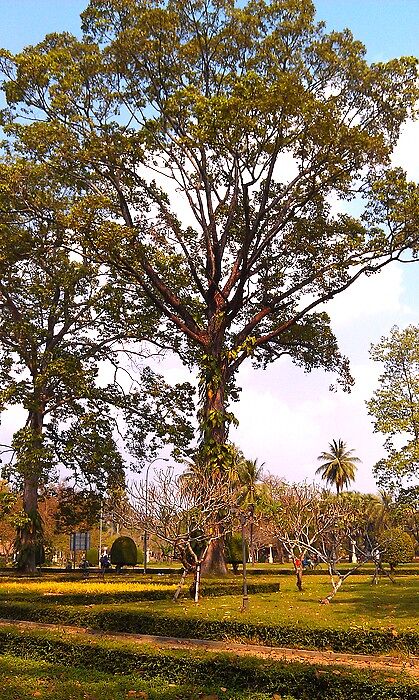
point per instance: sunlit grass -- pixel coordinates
(91, 586)
(358, 603)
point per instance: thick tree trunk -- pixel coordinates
(214, 563)
(29, 534)
(213, 422)
(214, 426)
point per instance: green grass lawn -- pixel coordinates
(54, 673)
(357, 604)
(23, 679)
(56, 666)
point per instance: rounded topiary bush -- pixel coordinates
(92, 556)
(234, 550)
(397, 547)
(124, 552)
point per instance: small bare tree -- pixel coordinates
(181, 512)
(310, 522)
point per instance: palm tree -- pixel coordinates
(249, 473)
(339, 465)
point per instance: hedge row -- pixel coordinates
(304, 681)
(323, 572)
(355, 640)
(289, 571)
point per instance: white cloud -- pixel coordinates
(406, 153)
(370, 296)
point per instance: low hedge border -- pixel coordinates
(398, 573)
(354, 640)
(304, 681)
(289, 571)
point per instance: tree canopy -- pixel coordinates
(60, 319)
(208, 141)
(395, 406)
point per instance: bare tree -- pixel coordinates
(309, 522)
(180, 512)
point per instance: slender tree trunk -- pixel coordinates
(341, 579)
(197, 581)
(178, 591)
(298, 566)
(299, 578)
(380, 571)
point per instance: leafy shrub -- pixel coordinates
(234, 550)
(238, 673)
(124, 552)
(92, 556)
(397, 546)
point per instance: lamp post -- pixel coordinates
(145, 545)
(243, 518)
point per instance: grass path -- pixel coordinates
(394, 664)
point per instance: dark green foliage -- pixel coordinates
(397, 545)
(358, 640)
(234, 550)
(124, 552)
(78, 510)
(338, 465)
(304, 681)
(92, 556)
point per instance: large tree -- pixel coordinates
(212, 142)
(59, 322)
(395, 406)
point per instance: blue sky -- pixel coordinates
(287, 418)
(388, 27)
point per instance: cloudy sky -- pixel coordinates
(287, 417)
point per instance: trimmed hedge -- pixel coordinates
(304, 681)
(154, 570)
(355, 640)
(399, 572)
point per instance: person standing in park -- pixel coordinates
(104, 563)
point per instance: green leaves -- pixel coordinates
(395, 405)
(339, 465)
